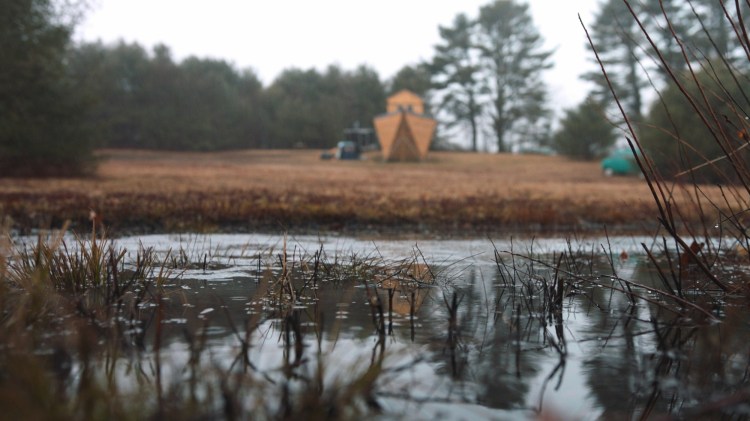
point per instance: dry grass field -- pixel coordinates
(449, 194)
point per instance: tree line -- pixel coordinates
(145, 99)
(60, 100)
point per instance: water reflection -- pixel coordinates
(561, 334)
(494, 343)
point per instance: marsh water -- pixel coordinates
(462, 329)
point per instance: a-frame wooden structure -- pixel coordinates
(404, 132)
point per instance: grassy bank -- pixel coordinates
(454, 194)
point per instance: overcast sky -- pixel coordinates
(270, 36)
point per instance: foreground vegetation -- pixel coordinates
(84, 331)
(93, 331)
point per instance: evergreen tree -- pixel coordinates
(513, 60)
(456, 74)
(677, 139)
(414, 78)
(700, 27)
(112, 79)
(143, 100)
(585, 132)
(310, 109)
(619, 42)
(41, 113)
(366, 96)
(713, 30)
(666, 22)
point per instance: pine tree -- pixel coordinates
(513, 60)
(41, 114)
(456, 75)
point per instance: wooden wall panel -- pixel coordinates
(386, 127)
(422, 128)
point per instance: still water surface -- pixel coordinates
(474, 338)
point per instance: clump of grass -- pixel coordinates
(66, 354)
(697, 367)
(72, 266)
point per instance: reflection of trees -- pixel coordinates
(652, 360)
(485, 349)
(491, 337)
(458, 323)
(707, 362)
(507, 367)
(613, 374)
(615, 371)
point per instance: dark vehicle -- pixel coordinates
(344, 150)
(347, 150)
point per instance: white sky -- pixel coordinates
(272, 35)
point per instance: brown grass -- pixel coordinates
(450, 193)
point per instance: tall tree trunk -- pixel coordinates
(636, 102)
(500, 134)
(473, 122)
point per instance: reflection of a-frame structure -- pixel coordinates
(406, 288)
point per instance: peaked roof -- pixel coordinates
(405, 100)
